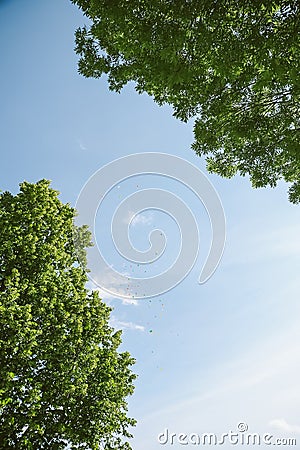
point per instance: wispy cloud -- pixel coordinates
(129, 301)
(108, 280)
(116, 323)
(81, 145)
(249, 245)
(108, 298)
(142, 219)
(283, 425)
(138, 219)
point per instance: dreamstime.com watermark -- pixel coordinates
(238, 437)
(108, 177)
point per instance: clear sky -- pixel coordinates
(208, 356)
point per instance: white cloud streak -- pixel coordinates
(116, 323)
(138, 219)
(283, 425)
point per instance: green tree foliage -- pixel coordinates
(62, 379)
(232, 65)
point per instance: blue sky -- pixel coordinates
(208, 356)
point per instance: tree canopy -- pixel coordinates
(232, 65)
(63, 383)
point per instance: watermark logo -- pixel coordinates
(118, 284)
(239, 437)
